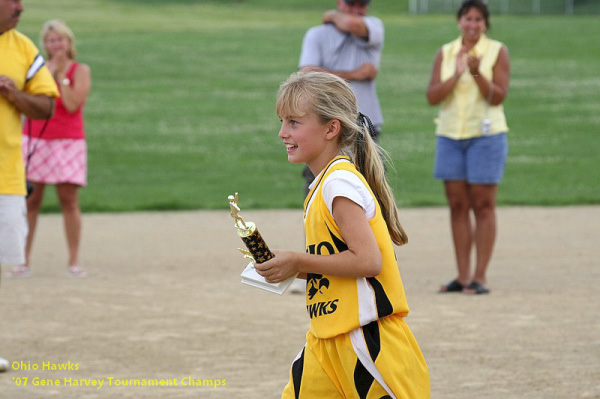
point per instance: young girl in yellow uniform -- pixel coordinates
(358, 345)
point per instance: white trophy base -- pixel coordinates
(251, 277)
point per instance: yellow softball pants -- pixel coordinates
(379, 360)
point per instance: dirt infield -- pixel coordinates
(164, 302)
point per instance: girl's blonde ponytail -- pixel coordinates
(369, 161)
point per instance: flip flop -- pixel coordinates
(452, 286)
(76, 272)
(476, 288)
(19, 271)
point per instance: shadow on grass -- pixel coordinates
(146, 2)
(180, 2)
(257, 4)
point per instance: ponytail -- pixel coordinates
(368, 158)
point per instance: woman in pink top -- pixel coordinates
(55, 150)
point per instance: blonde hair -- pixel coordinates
(330, 98)
(58, 26)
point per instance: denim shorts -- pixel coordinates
(479, 160)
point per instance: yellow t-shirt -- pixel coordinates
(338, 305)
(464, 109)
(21, 61)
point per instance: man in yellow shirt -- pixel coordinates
(26, 87)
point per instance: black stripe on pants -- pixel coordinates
(362, 378)
(297, 369)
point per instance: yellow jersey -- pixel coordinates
(338, 305)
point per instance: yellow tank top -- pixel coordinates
(463, 110)
(337, 305)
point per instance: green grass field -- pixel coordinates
(181, 112)
(515, 7)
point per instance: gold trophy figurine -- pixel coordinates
(258, 250)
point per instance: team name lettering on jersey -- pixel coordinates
(322, 308)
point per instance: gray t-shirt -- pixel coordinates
(327, 47)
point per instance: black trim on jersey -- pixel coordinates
(297, 369)
(339, 244)
(362, 380)
(384, 306)
(307, 200)
(37, 64)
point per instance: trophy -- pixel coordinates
(257, 251)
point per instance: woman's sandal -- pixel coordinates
(76, 271)
(476, 288)
(19, 271)
(452, 286)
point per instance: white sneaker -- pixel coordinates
(3, 364)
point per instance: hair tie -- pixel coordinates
(365, 120)
(360, 141)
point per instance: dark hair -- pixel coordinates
(478, 4)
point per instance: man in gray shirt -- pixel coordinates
(349, 45)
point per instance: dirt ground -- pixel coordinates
(164, 302)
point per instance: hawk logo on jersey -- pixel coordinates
(317, 282)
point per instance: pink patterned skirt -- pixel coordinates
(56, 161)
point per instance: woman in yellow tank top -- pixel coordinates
(470, 81)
